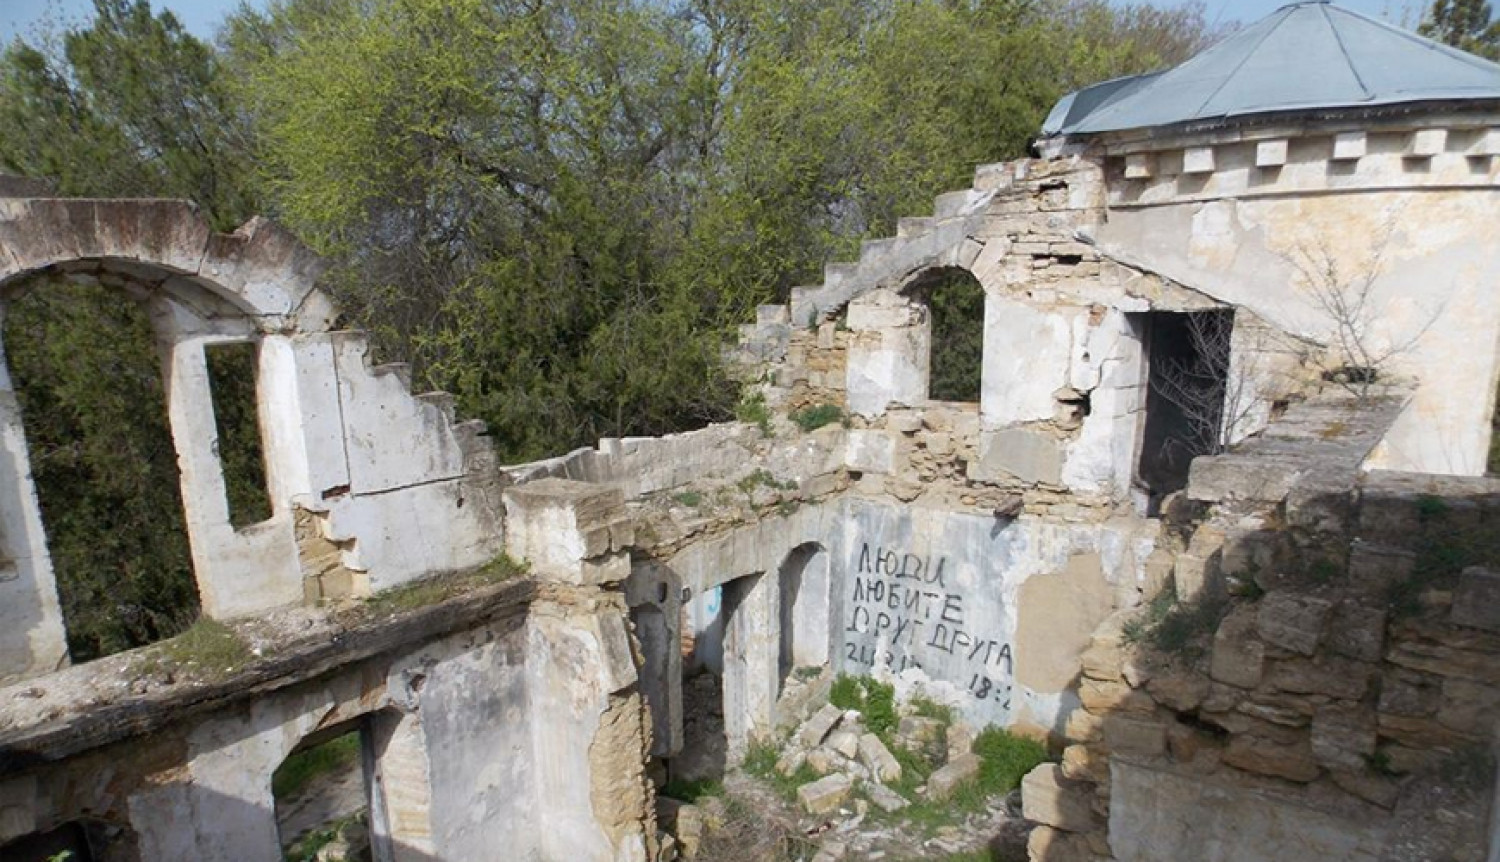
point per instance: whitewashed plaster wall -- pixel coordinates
(987, 615)
(406, 489)
(1423, 225)
(452, 742)
(890, 353)
(394, 473)
(32, 638)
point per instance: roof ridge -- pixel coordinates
(1419, 40)
(1248, 54)
(1338, 39)
(1202, 56)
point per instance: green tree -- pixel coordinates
(1465, 24)
(88, 377)
(130, 106)
(558, 210)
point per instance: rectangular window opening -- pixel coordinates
(232, 383)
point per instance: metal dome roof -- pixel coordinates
(1305, 56)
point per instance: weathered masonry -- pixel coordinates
(1240, 337)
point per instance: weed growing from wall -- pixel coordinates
(752, 410)
(1176, 627)
(815, 417)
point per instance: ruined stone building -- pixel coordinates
(1241, 339)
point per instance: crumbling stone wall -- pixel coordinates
(1329, 689)
(499, 719)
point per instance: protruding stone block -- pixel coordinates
(1140, 166)
(1049, 798)
(1426, 143)
(1271, 154)
(568, 531)
(1476, 603)
(1348, 146)
(826, 794)
(1198, 160)
(942, 783)
(1485, 143)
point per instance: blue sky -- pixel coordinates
(20, 17)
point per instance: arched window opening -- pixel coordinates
(955, 303)
(87, 373)
(805, 620)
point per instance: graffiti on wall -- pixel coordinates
(902, 612)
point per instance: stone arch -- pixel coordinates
(260, 271)
(257, 285)
(392, 762)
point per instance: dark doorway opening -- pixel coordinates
(713, 681)
(1188, 354)
(323, 797)
(76, 841)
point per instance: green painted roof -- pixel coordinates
(1305, 56)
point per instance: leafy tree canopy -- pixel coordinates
(1465, 24)
(557, 209)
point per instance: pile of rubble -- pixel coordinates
(840, 790)
(836, 745)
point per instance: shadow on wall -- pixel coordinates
(91, 840)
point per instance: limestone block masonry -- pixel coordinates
(1003, 557)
